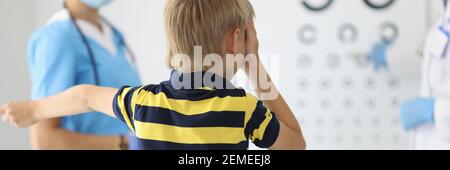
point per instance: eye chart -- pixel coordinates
(326, 76)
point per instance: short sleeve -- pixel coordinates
(52, 64)
(263, 126)
(123, 105)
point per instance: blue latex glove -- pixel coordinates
(417, 112)
(378, 56)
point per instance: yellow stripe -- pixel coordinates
(186, 107)
(259, 133)
(252, 102)
(120, 101)
(182, 135)
(206, 88)
(134, 99)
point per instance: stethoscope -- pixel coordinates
(90, 51)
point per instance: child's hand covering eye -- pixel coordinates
(251, 39)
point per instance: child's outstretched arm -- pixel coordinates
(290, 135)
(78, 99)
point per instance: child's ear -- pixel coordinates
(232, 41)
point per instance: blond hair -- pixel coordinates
(190, 23)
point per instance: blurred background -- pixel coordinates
(341, 101)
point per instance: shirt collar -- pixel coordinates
(104, 38)
(199, 80)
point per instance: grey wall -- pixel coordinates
(16, 25)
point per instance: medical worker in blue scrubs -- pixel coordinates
(78, 46)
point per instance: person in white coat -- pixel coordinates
(428, 116)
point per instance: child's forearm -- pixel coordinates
(69, 102)
(76, 100)
(277, 105)
(79, 99)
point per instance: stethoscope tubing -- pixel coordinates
(91, 53)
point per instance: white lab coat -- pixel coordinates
(435, 84)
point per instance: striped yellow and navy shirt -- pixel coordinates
(164, 116)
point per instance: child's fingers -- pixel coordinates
(2, 109)
(3, 115)
(250, 30)
(5, 119)
(251, 25)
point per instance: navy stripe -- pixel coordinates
(194, 80)
(270, 135)
(144, 144)
(173, 118)
(193, 94)
(258, 116)
(128, 98)
(117, 110)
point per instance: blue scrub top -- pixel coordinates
(58, 60)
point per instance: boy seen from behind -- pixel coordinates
(198, 108)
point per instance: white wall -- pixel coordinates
(142, 24)
(44, 9)
(16, 25)
(141, 21)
